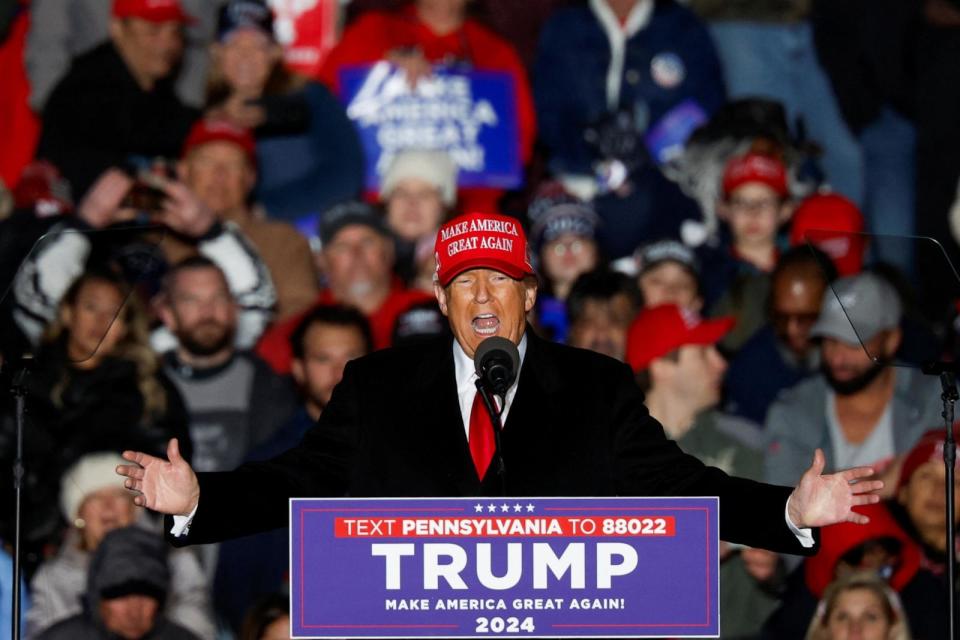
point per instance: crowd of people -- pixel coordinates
(193, 251)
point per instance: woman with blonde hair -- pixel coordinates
(95, 385)
(859, 605)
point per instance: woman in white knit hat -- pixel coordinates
(94, 503)
(419, 191)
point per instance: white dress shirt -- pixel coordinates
(467, 383)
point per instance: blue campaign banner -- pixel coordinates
(470, 114)
(522, 567)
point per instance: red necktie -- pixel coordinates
(482, 445)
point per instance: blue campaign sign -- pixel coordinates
(525, 567)
(470, 114)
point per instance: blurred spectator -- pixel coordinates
(127, 585)
(123, 226)
(234, 400)
(920, 500)
(436, 32)
(19, 125)
(863, 605)
(868, 49)
(519, 28)
(358, 258)
(858, 409)
(268, 620)
(600, 308)
(680, 370)
(307, 151)
(117, 100)
(324, 341)
(767, 50)
(755, 205)
(419, 192)
(610, 79)
(564, 239)
(782, 353)
(66, 29)
(668, 273)
(93, 502)
(938, 148)
(739, 127)
(95, 386)
(880, 548)
(736, 276)
(673, 353)
(219, 166)
(834, 225)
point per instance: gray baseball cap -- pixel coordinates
(857, 308)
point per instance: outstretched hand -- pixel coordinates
(167, 487)
(821, 500)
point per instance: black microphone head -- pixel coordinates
(497, 361)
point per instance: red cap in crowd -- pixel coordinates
(657, 331)
(834, 225)
(152, 10)
(929, 448)
(755, 167)
(482, 240)
(204, 131)
(836, 540)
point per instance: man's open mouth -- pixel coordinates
(486, 324)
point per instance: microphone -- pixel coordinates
(497, 360)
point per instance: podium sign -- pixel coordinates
(523, 567)
(470, 114)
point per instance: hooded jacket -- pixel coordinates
(129, 560)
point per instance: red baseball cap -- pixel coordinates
(929, 448)
(152, 10)
(482, 241)
(656, 331)
(755, 167)
(834, 225)
(206, 130)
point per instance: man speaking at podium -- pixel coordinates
(409, 422)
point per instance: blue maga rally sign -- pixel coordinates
(530, 567)
(471, 115)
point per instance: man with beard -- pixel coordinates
(858, 409)
(357, 258)
(235, 402)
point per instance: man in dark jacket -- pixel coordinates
(126, 587)
(118, 99)
(407, 422)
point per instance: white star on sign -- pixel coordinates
(530, 508)
(478, 508)
(505, 508)
(492, 508)
(517, 508)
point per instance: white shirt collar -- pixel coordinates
(466, 382)
(466, 371)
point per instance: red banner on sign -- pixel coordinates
(307, 29)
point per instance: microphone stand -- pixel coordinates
(497, 426)
(19, 390)
(948, 384)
